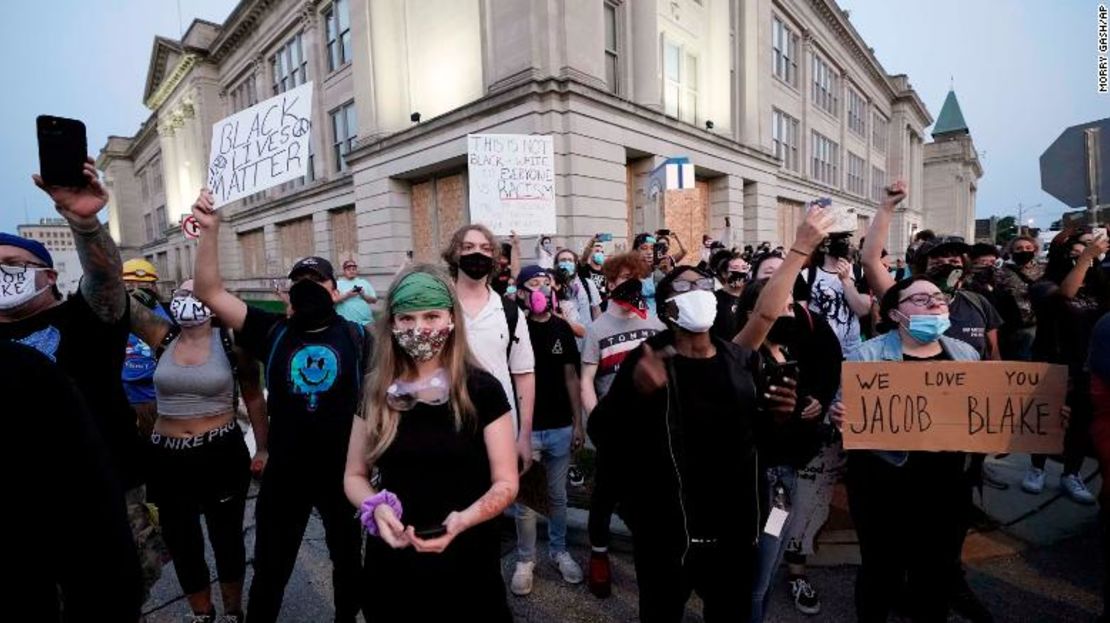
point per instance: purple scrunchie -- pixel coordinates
(366, 513)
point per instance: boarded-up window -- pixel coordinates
(253, 246)
(344, 232)
(177, 265)
(438, 209)
(687, 214)
(296, 240)
(791, 214)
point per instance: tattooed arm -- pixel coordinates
(149, 326)
(102, 284)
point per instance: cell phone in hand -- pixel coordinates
(357, 288)
(784, 370)
(604, 237)
(433, 532)
(63, 148)
(663, 232)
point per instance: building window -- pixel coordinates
(290, 66)
(879, 132)
(156, 172)
(857, 184)
(612, 47)
(680, 84)
(296, 240)
(245, 94)
(290, 71)
(144, 187)
(857, 113)
(148, 226)
(338, 19)
(253, 247)
(344, 126)
(825, 161)
(824, 86)
(784, 45)
(878, 184)
(160, 220)
(784, 138)
(344, 235)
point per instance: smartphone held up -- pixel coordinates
(62, 151)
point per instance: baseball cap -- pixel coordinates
(313, 264)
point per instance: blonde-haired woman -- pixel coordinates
(436, 433)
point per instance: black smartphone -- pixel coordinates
(433, 532)
(63, 148)
(357, 288)
(784, 370)
(663, 232)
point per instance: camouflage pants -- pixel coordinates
(143, 518)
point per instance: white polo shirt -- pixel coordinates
(488, 336)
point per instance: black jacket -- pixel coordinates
(641, 436)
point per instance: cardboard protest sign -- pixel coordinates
(973, 406)
(261, 146)
(512, 182)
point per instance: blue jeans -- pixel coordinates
(551, 449)
(772, 548)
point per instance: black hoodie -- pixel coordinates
(642, 438)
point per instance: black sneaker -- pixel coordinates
(805, 596)
(966, 604)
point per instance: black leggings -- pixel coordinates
(720, 575)
(603, 502)
(208, 476)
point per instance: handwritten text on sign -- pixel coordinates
(974, 406)
(261, 146)
(512, 182)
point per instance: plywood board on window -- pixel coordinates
(451, 197)
(253, 247)
(344, 232)
(423, 222)
(296, 241)
(790, 215)
(438, 210)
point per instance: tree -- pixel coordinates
(1006, 230)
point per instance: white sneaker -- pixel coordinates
(1076, 490)
(1033, 481)
(522, 578)
(571, 572)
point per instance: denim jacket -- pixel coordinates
(888, 347)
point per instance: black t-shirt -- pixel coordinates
(971, 322)
(91, 352)
(727, 323)
(598, 278)
(704, 404)
(434, 469)
(941, 356)
(554, 346)
(313, 380)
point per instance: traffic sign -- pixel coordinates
(1065, 168)
(190, 227)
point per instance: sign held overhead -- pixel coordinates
(261, 146)
(512, 182)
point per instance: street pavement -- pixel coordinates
(1043, 567)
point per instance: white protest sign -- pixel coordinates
(512, 182)
(261, 146)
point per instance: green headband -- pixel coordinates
(419, 292)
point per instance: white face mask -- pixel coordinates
(696, 310)
(187, 311)
(17, 286)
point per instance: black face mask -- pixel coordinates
(1021, 258)
(784, 331)
(736, 277)
(945, 276)
(630, 294)
(312, 305)
(476, 265)
(840, 248)
(146, 297)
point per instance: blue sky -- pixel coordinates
(1022, 75)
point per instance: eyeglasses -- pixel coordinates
(681, 286)
(15, 268)
(925, 300)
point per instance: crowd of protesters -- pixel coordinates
(704, 383)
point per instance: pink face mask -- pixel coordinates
(539, 302)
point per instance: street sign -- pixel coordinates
(190, 227)
(1065, 170)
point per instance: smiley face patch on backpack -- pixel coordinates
(313, 371)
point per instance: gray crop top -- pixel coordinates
(188, 392)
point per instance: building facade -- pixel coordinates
(774, 102)
(55, 235)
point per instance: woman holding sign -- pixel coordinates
(908, 507)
